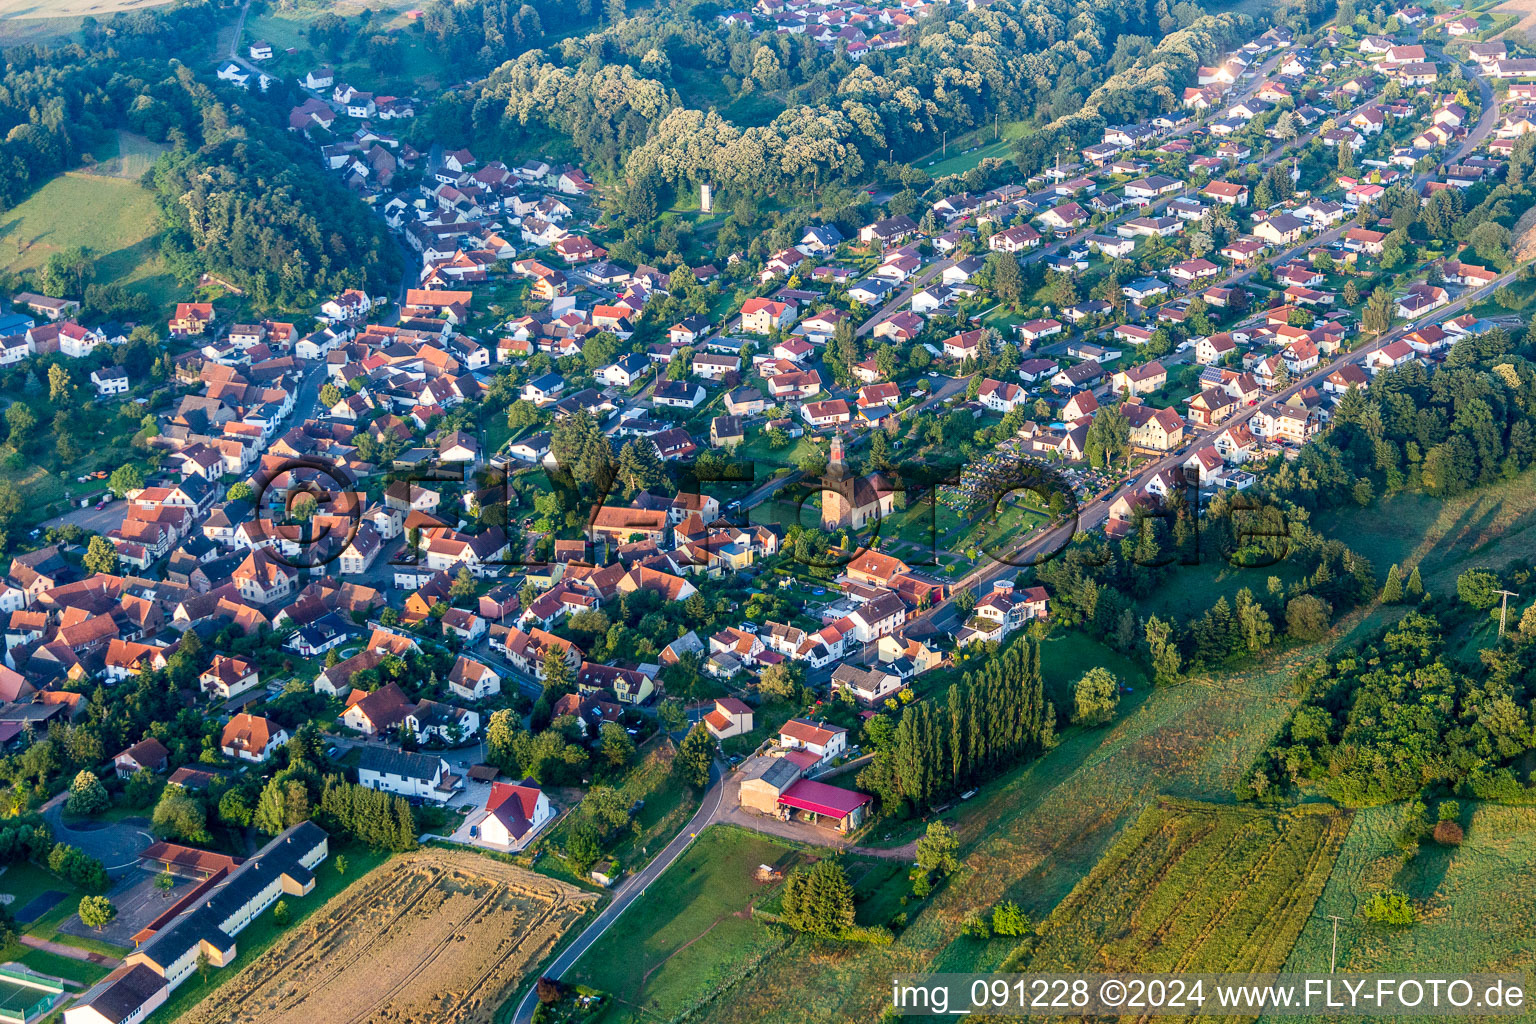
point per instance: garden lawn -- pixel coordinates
(691, 934)
(971, 151)
(1491, 527)
(123, 154)
(1190, 589)
(1034, 834)
(1065, 656)
(667, 806)
(82, 972)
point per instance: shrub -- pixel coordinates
(1448, 833)
(1008, 919)
(1449, 810)
(1390, 907)
(975, 926)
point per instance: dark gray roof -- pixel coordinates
(122, 992)
(780, 774)
(202, 923)
(402, 763)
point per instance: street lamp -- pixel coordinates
(945, 143)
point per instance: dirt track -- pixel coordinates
(436, 937)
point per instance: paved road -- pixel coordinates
(631, 890)
(910, 287)
(103, 520)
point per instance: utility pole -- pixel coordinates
(1504, 609)
(945, 141)
(1333, 958)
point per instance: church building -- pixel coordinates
(852, 501)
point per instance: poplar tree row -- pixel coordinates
(991, 719)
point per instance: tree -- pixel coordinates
(280, 913)
(165, 882)
(819, 900)
(181, 816)
(59, 386)
(283, 803)
(556, 671)
(1392, 590)
(240, 491)
(640, 466)
(21, 419)
(1108, 438)
(1415, 584)
(1306, 617)
(330, 395)
(86, 795)
(1095, 697)
(694, 756)
(778, 682)
(1377, 317)
(341, 864)
(671, 715)
(616, 746)
(521, 415)
(1478, 589)
(463, 584)
(1007, 281)
(1491, 241)
(1009, 920)
(97, 911)
(1166, 659)
(101, 556)
(125, 478)
(938, 848)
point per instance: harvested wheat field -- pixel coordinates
(436, 937)
(1525, 8)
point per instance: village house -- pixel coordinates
(251, 738)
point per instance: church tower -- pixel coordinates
(835, 507)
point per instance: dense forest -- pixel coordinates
(237, 197)
(1471, 422)
(1399, 714)
(55, 100)
(643, 98)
